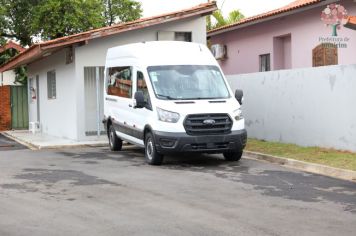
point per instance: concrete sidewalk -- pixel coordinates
(42, 141)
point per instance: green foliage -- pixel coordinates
(329, 157)
(54, 19)
(25, 20)
(121, 11)
(21, 76)
(15, 19)
(220, 20)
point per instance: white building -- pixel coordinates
(64, 73)
(7, 78)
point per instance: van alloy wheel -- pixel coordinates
(151, 154)
(149, 149)
(115, 142)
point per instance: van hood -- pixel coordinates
(185, 107)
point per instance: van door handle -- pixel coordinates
(111, 99)
(130, 105)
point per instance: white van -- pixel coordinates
(171, 97)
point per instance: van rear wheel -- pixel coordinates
(232, 156)
(115, 142)
(151, 154)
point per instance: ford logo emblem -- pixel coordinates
(209, 122)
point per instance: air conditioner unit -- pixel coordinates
(219, 51)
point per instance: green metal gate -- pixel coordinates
(19, 107)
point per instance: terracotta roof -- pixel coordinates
(351, 22)
(290, 7)
(40, 50)
(11, 44)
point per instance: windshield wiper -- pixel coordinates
(166, 96)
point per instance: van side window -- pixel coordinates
(141, 85)
(120, 82)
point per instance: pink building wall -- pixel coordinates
(246, 44)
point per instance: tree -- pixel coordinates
(15, 20)
(333, 15)
(220, 20)
(25, 20)
(54, 19)
(121, 11)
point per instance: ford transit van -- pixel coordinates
(170, 97)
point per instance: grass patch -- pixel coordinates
(329, 157)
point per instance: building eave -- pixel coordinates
(40, 50)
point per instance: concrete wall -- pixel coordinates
(58, 116)
(7, 78)
(308, 107)
(246, 44)
(94, 53)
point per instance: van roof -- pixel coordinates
(163, 53)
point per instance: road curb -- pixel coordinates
(305, 166)
(26, 144)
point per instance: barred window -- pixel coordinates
(265, 62)
(51, 85)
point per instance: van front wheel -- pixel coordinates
(115, 142)
(151, 154)
(232, 156)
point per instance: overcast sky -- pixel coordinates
(247, 7)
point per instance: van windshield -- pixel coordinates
(188, 82)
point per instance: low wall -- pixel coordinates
(308, 107)
(5, 108)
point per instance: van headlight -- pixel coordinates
(167, 116)
(238, 114)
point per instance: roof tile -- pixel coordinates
(292, 6)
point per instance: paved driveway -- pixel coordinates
(92, 191)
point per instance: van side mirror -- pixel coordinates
(139, 100)
(239, 94)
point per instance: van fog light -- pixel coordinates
(238, 114)
(167, 142)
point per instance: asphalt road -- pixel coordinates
(91, 191)
(7, 144)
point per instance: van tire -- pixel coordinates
(115, 142)
(151, 155)
(232, 156)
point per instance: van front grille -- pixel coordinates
(205, 124)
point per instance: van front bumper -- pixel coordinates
(181, 142)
